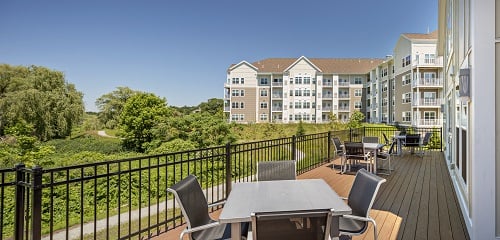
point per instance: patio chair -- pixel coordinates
(412, 141)
(424, 143)
(361, 197)
(354, 153)
(386, 157)
(194, 207)
(340, 151)
(370, 139)
(291, 225)
(276, 170)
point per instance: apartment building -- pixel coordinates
(296, 89)
(469, 41)
(406, 88)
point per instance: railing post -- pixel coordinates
(350, 134)
(294, 147)
(36, 214)
(229, 178)
(20, 193)
(441, 138)
(328, 141)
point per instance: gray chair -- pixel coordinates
(354, 153)
(425, 142)
(370, 139)
(412, 141)
(194, 207)
(291, 225)
(276, 170)
(386, 157)
(361, 197)
(386, 140)
(340, 152)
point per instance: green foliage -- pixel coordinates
(205, 129)
(212, 106)
(41, 97)
(141, 114)
(355, 120)
(176, 145)
(300, 129)
(111, 105)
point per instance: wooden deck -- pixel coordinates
(417, 201)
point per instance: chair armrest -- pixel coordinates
(357, 217)
(343, 198)
(202, 227)
(216, 204)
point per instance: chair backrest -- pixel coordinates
(276, 170)
(392, 148)
(354, 149)
(386, 139)
(370, 139)
(363, 192)
(412, 140)
(337, 144)
(194, 206)
(427, 137)
(291, 225)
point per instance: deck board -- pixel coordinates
(417, 201)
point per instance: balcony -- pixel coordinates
(344, 109)
(428, 82)
(344, 96)
(227, 109)
(344, 84)
(277, 84)
(330, 96)
(327, 84)
(427, 62)
(427, 122)
(427, 102)
(277, 95)
(276, 109)
(328, 109)
(414, 202)
(417, 200)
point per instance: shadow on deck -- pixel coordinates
(417, 201)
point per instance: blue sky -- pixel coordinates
(181, 50)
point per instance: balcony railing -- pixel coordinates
(427, 122)
(344, 84)
(277, 95)
(427, 102)
(276, 109)
(430, 62)
(428, 82)
(344, 109)
(327, 84)
(343, 95)
(277, 84)
(327, 95)
(227, 109)
(68, 201)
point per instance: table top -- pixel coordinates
(286, 195)
(373, 145)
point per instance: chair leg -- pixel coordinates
(375, 233)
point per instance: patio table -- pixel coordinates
(275, 196)
(375, 147)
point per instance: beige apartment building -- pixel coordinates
(296, 89)
(406, 88)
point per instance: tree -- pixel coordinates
(41, 97)
(205, 129)
(212, 106)
(300, 129)
(356, 118)
(140, 115)
(111, 104)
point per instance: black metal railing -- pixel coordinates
(127, 198)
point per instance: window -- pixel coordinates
(406, 61)
(263, 105)
(236, 81)
(357, 105)
(358, 80)
(298, 93)
(406, 116)
(307, 80)
(306, 105)
(384, 87)
(263, 117)
(263, 93)
(307, 92)
(237, 93)
(406, 97)
(384, 102)
(298, 80)
(406, 79)
(298, 105)
(357, 92)
(263, 81)
(298, 117)
(237, 117)
(291, 93)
